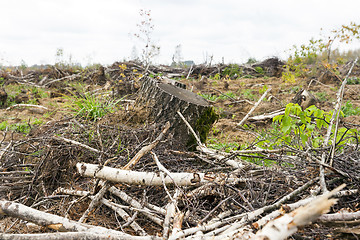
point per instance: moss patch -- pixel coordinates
(203, 126)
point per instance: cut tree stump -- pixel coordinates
(166, 99)
(305, 99)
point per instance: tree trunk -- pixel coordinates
(166, 99)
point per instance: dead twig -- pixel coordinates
(254, 107)
(26, 105)
(147, 148)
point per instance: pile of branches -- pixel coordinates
(139, 181)
(271, 67)
(110, 181)
(107, 180)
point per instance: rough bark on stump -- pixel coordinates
(165, 100)
(304, 98)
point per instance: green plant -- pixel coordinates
(233, 71)
(247, 93)
(263, 89)
(304, 59)
(32, 101)
(348, 109)
(217, 76)
(222, 146)
(3, 125)
(227, 95)
(321, 96)
(251, 60)
(249, 76)
(39, 92)
(22, 127)
(298, 128)
(90, 107)
(353, 81)
(209, 97)
(288, 76)
(214, 98)
(259, 70)
(295, 89)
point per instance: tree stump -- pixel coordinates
(166, 99)
(304, 98)
(3, 97)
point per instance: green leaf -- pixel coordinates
(304, 138)
(286, 124)
(278, 118)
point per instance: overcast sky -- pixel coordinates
(95, 31)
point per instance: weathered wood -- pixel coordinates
(152, 178)
(52, 221)
(165, 100)
(285, 226)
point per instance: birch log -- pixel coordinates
(69, 236)
(55, 222)
(150, 178)
(285, 226)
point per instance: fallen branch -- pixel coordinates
(2, 151)
(340, 216)
(63, 78)
(223, 218)
(95, 202)
(177, 222)
(147, 148)
(116, 207)
(26, 105)
(150, 178)
(170, 212)
(213, 153)
(54, 222)
(76, 143)
(335, 115)
(337, 109)
(254, 107)
(144, 209)
(266, 116)
(288, 224)
(69, 236)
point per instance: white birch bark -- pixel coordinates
(149, 178)
(55, 222)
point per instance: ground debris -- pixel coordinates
(38, 169)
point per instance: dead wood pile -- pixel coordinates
(74, 179)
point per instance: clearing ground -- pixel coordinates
(42, 143)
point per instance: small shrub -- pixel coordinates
(222, 146)
(321, 96)
(248, 94)
(353, 81)
(233, 71)
(349, 110)
(251, 61)
(259, 70)
(297, 127)
(263, 89)
(3, 125)
(209, 97)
